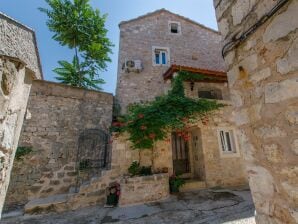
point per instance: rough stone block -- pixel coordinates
(294, 146)
(279, 91)
(277, 27)
(270, 132)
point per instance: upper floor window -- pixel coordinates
(160, 56)
(174, 27)
(210, 94)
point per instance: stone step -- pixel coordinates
(54, 203)
(192, 185)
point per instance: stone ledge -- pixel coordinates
(61, 90)
(140, 190)
(56, 203)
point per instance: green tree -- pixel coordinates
(78, 26)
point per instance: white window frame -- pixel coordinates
(222, 142)
(161, 49)
(179, 27)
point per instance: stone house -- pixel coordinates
(152, 49)
(66, 127)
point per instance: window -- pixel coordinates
(174, 27)
(210, 94)
(160, 56)
(227, 142)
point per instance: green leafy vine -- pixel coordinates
(150, 122)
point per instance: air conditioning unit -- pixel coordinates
(132, 66)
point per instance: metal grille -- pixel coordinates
(93, 155)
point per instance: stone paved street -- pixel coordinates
(201, 207)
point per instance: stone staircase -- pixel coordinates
(54, 203)
(192, 185)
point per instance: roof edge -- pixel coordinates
(175, 68)
(165, 10)
(47, 82)
(16, 22)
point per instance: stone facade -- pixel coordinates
(207, 164)
(56, 116)
(19, 65)
(196, 46)
(263, 78)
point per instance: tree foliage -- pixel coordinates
(152, 121)
(67, 74)
(77, 25)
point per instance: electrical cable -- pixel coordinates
(234, 42)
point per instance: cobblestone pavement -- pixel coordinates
(200, 207)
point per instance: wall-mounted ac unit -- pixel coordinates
(132, 66)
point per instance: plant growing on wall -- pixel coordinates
(135, 169)
(22, 151)
(152, 121)
(80, 27)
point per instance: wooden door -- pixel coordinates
(180, 152)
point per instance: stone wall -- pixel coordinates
(19, 65)
(196, 46)
(263, 78)
(56, 116)
(139, 190)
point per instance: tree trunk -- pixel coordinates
(78, 65)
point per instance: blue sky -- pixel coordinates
(27, 13)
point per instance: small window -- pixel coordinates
(174, 27)
(227, 141)
(210, 94)
(161, 56)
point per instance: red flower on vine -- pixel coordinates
(140, 115)
(118, 124)
(143, 127)
(152, 135)
(186, 138)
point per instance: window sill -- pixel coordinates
(161, 65)
(229, 154)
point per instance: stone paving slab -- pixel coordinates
(198, 207)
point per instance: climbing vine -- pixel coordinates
(150, 122)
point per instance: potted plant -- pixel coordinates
(113, 194)
(175, 183)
